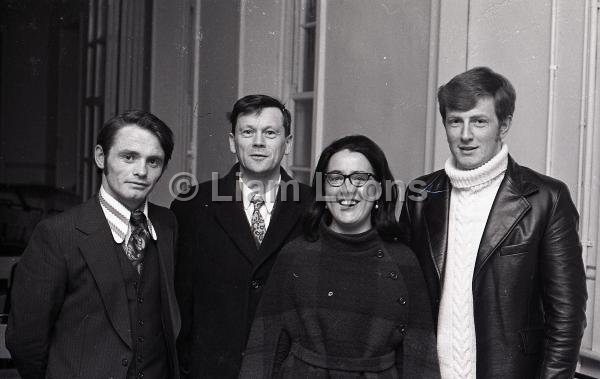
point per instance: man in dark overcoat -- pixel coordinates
(231, 230)
(93, 294)
(498, 244)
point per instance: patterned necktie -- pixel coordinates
(140, 236)
(257, 222)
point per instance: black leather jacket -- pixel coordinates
(529, 289)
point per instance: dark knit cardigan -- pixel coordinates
(346, 306)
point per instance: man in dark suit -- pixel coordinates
(231, 232)
(93, 293)
(498, 244)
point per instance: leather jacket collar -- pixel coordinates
(508, 208)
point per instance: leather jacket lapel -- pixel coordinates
(510, 205)
(436, 210)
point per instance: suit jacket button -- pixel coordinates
(393, 275)
(255, 284)
(402, 301)
(380, 253)
(124, 362)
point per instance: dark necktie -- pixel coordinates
(140, 236)
(257, 222)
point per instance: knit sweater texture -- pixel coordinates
(344, 306)
(471, 199)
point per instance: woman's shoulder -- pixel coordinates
(401, 252)
(298, 247)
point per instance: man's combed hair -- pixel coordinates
(144, 120)
(255, 104)
(463, 91)
(383, 217)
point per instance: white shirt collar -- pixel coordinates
(117, 216)
(269, 197)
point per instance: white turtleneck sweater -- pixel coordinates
(473, 192)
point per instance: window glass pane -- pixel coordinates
(308, 55)
(303, 111)
(100, 27)
(311, 11)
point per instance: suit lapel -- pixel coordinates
(232, 218)
(97, 247)
(510, 205)
(286, 213)
(436, 210)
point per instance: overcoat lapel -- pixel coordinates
(510, 205)
(232, 218)
(169, 307)
(286, 213)
(436, 209)
(230, 215)
(165, 258)
(97, 247)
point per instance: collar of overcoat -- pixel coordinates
(97, 247)
(509, 206)
(230, 214)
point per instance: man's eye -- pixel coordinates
(270, 134)
(453, 121)
(481, 122)
(247, 132)
(128, 157)
(154, 162)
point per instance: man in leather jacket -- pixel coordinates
(498, 244)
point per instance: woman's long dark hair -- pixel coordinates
(383, 217)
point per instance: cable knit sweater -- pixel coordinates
(344, 306)
(473, 193)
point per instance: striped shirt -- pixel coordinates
(117, 216)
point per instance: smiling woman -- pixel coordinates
(349, 289)
(348, 202)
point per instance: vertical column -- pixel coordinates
(452, 59)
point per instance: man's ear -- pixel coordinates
(505, 127)
(232, 143)
(288, 144)
(99, 157)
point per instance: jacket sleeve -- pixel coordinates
(268, 343)
(184, 282)
(38, 293)
(564, 289)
